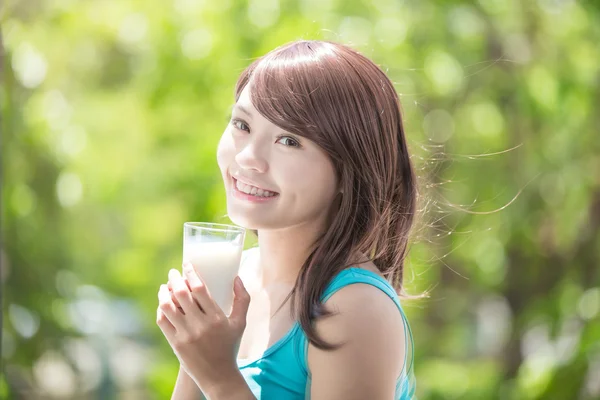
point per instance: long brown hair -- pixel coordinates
(339, 99)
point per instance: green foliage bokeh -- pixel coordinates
(111, 114)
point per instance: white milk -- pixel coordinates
(217, 263)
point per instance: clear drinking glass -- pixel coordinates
(215, 251)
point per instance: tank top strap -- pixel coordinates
(352, 275)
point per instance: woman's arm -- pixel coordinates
(186, 388)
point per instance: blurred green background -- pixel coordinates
(111, 114)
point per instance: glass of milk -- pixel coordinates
(215, 251)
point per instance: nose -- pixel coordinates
(250, 157)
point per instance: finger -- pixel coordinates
(165, 325)
(199, 290)
(166, 305)
(175, 301)
(183, 295)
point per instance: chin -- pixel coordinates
(242, 220)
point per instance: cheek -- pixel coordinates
(313, 179)
(225, 151)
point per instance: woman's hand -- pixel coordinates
(202, 337)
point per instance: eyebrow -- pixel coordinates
(243, 109)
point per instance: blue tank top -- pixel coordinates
(281, 373)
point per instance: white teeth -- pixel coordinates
(252, 190)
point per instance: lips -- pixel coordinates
(249, 198)
(271, 194)
(252, 184)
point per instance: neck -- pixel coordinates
(283, 252)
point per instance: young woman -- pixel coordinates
(315, 162)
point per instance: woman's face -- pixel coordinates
(256, 151)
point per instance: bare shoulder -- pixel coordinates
(370, 328)
(368, 310)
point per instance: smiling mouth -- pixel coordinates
(258, 193)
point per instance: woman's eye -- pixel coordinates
(241, 125)
(291, 142)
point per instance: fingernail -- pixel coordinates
(238, 283)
